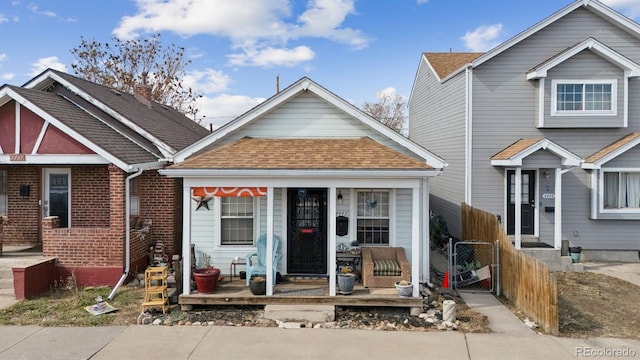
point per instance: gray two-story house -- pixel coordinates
(552, 114)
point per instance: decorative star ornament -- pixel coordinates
(203, 201)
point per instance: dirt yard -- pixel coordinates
(592, 305)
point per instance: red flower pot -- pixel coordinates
(206, 279)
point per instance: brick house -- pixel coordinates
(77, 160)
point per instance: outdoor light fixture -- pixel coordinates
(339, 197)
(546, 174)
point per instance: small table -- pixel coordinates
(232, 267)
(348, 259)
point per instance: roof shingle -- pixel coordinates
(446, 63)
(612, 147)
(253, 153)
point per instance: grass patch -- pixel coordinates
(66, 307)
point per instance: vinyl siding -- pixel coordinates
(504, 109)
(403, 219)
(308, 116)
(437, 122)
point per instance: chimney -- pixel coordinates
(143, 91)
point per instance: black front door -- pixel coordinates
(307, 231)
(527, 205)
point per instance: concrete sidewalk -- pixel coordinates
(626, 271)
(203, 342)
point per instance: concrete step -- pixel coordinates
(6, 283)
(553, 259)
(290, 313)
(7, 292)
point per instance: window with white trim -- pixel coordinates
(583, 97)
(3, 192)
(621, 190)
(373, 217)
(236, 220)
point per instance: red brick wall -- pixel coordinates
(161, 202)
(22, 224)
(89, 196)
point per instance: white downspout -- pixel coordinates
(127, 235)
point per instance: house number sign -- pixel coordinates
(548, 196)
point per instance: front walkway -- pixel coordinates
(626, 271)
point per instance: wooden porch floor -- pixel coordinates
(297, 293)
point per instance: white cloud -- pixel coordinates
(422, 1)
(3, 19)
(483, 38)
(386, 92)
(630, 8)
(269, 57)
(221, 109)
(46, 63)
(36, 10)
(3, 57)
(7, 76)
(257, 28)
(207, 81)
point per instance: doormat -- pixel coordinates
(383, 291)
(300, 292)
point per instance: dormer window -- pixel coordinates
(583, 97)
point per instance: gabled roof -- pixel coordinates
(611, 151)
(444, 64)
(513, 154)
(593, 5)
(303, 85)
(252, 153)
(166, 127)
(593, 45)
(97, 136)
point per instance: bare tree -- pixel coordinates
(389, 110)
(119, 66)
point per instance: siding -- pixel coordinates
(504, 111)
(403, 220)
(309, 116)
(437, 122)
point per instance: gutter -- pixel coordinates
(127, 235)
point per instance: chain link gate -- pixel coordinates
(471, 266)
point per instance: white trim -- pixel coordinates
(269, 265)
(64, 128)
(612, 155)
(166, 150)
(596, 188)
(305, 84)
(541, 103)
(603, 10)
(568, 158)
(57, 159)
(426, 261)
(17, 129)
(43, 131)
(186, 239)
(614, 97)
(518, 210)
(625, 100)
(593, 45)
(468, 163)
(284, 223)
(332, 240)
(415, 241)
(313, 174)
(601, 208)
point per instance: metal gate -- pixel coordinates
(473, 266)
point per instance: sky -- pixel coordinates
(238, 48)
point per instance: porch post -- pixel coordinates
(332, 241)
(557, 212)
(415, 240)
(518, 210)
(426, 230)
(269, 265)
(186, 240)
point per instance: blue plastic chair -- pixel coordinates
(260, 268)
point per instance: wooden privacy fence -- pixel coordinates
(524, 280)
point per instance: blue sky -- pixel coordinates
(355, 48)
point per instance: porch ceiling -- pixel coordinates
(303, 154)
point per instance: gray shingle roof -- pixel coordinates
(88, 126)
(163, 122)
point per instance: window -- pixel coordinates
(134, 197)
(590, 97)
(3, 192)
(621, 190)
(236, 220)
(373, 217)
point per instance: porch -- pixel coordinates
(294, 292)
